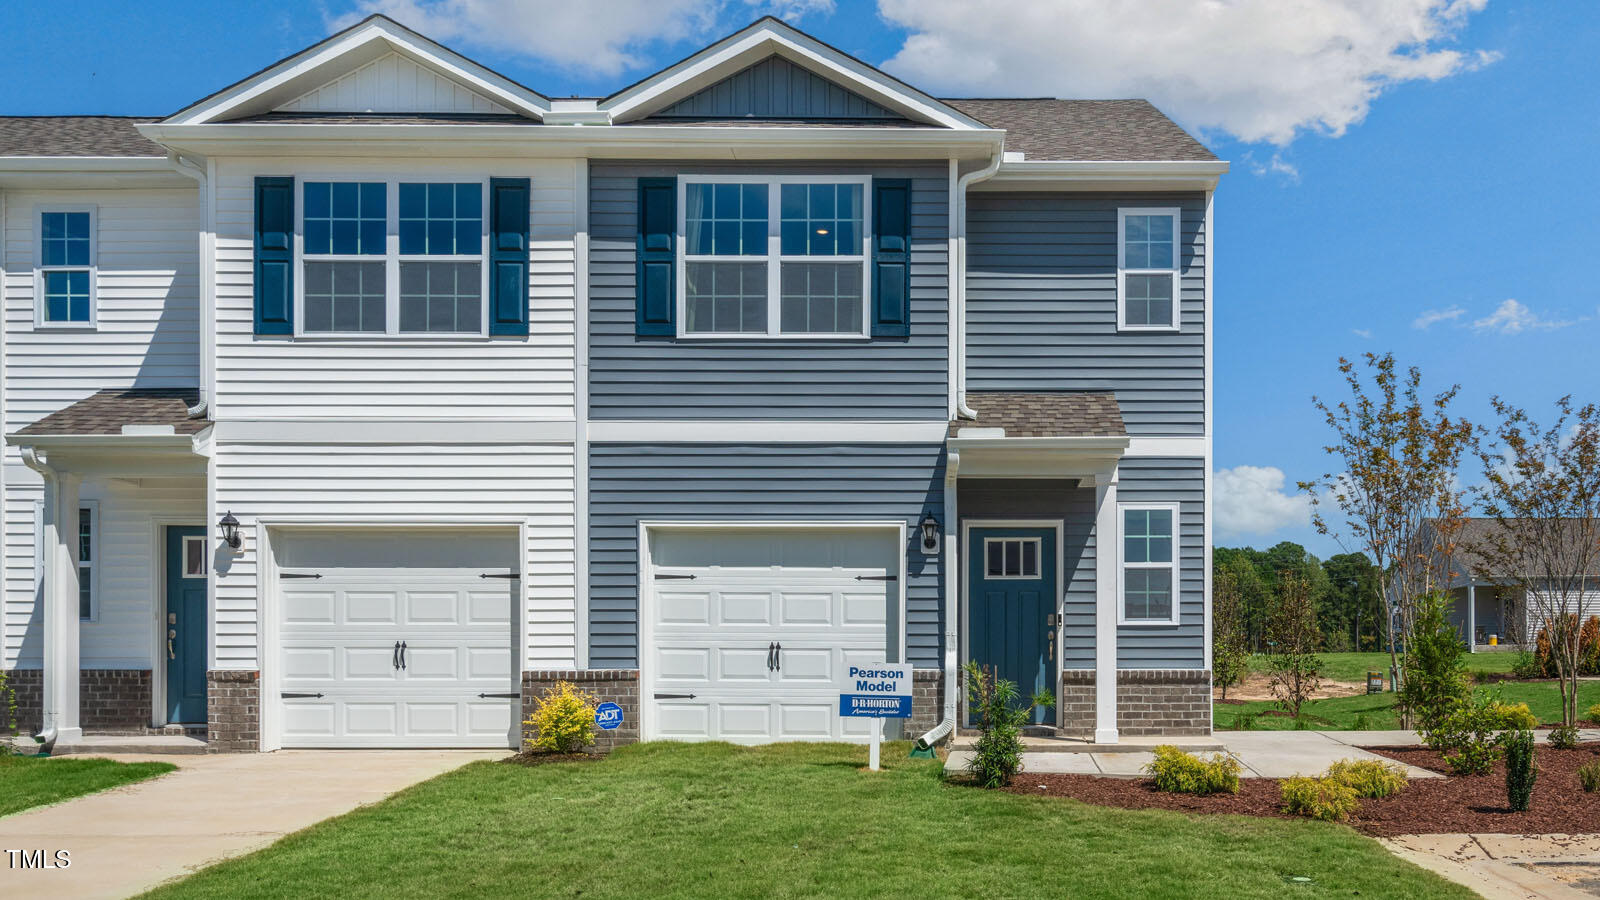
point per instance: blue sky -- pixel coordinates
(1434, 160)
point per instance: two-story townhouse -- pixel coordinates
(694, 394)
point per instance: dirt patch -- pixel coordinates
(533, 758)
(1258, 686)
(1426, 806)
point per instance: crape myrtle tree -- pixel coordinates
(1398, 453)
(1293, 638)
(1542, 485)
(1230, 649)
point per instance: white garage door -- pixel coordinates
(397, 657)
(746, 632)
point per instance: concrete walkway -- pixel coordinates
(129, 839)
(1509, 866)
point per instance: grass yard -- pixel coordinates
(1355, 666)
(27, 781)
(1342, 713)
(789, 820)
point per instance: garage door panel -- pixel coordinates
(431, 607)
(736, 721)
(803, 665)
(683, 664)
(748, 664)
(307, 607)
(683, 720)
(489, 607)
(489, 664)
(371, 663)
(805, 721)
(866, 609)
(310, 718)
(372, 719)
(309, 663)
(679, 608)
(745, 607)
(371, 607)
(432, 664)
(806, 609)
(432, 719)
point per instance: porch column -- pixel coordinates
(60, 610)
(1105, 614)
(1472, 617)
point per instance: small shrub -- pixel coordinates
(1467, 736)
(1246, 721)
(1319, 798)
(1589, 647)
(997, 753)
(1372, 778)
(1435, 665)
(1362, 723)
(1589, 775)
(1177, 772)
(563, 719)
(1527, 666)
(1516, 717)
(1564, 737)
(1594, 713)
(1520, 769)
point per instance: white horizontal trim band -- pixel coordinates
(395, 431)
(1167, 446)
(760, 432)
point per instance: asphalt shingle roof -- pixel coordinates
(1046, 128)
(1058, 414)
(75, 136)
(107, 411)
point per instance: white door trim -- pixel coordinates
(1056, 525)
(646, 636)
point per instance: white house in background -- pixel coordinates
(360, 400)
(1491, 607)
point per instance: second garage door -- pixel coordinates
(747, 630)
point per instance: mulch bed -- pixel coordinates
(1426, 806)
(543, 758)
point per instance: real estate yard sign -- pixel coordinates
(877, 691)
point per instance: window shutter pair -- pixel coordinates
(655, 268)
(507, 257)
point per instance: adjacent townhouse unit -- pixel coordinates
(361, 400)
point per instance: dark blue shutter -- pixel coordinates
(891, 257)
(274, 263)
(657, 300)
(508, 256)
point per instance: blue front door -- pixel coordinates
(1011, 585)
(188, 562)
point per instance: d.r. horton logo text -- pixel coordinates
(38, 859)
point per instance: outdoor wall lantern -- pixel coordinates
(930, 535)
(230, 530)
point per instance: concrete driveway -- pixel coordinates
(129, 839)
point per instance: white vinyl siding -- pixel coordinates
(448, 376)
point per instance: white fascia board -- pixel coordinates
(112, 442)
(280, 80)
(1040, 443)
(50, 172)
(760, 40)
(764, 431)
(1107, 175)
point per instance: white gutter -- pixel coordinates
(71, 164)
(952, 605)
(958, 290)
(48, 732)
(194, 171)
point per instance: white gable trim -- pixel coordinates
(763, 39)
(393, 83)
(346, 52)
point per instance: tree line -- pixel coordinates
(1343, 591)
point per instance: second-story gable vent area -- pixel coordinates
(393, 83)
(775, 89)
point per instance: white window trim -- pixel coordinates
(40, 323)
(1123, 271)
(774, 257)
(391, 258)
(93, 565)
(1123, 565)
(1038, 549)
(205, 555)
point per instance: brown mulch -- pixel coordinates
(1427, 805)
(543, 758)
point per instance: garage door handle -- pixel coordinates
(394, 659)
(777, 658)
(402, 655)
(770, 651)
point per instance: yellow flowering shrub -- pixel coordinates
(563, 719)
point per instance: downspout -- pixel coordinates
(952, 636)
(959, 287)
(191, 169)
(36, 461)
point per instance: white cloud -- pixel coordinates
(1435, 316)
(1511, 317)
(1362, 333)
(603, 37)
(1277, 165)
(1261, 70)
(1252, 500)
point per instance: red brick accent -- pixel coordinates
(1161, 702)
(233, 711)
(619, 686)
(927, 702)
(110, 701)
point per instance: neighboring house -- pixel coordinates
(1491, 606)
(692, 394)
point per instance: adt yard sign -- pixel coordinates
(877, 691)
(608, 715)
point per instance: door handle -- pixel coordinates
(770, 645)
(394, 658)
(402, 655)
(171, 633)
(777, 657)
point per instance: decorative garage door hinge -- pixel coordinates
(287, 695)
(877, 577)
(499, 575)
(666, 575)
(298, 575)
(674, 696)
(499, 696)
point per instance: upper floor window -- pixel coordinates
(64, 279)
(1147, 269)
(781, 256)
(392, 257)
(1148, 571)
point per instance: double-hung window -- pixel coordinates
(1148, 573)
(1147, 269)
(392, 257)
(781, 256)
(64, 280)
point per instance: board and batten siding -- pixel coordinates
(379, 377)
(775, 88)
(1042, 306)
(755, 483)
(1180, 481)
(375, 482)
(636, 378)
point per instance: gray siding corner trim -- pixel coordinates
(1042, 306)
(756, 483)
(1180, 481)
(657, 378)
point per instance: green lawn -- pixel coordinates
(1355, 666)
(1340, 713)
(790, 820)
(28, 781)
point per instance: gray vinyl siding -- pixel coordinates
(765, 482)
(988, 498)
(1181, 481)
(667, 378)
(776, 89)
(1042, 306)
